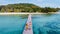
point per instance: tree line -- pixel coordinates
(26, 7)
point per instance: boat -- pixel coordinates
(28, 27)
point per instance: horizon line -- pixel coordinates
(27, 3)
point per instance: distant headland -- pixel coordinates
(26, 7)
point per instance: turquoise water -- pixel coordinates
(42, 24)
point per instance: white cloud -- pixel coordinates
(39, 0)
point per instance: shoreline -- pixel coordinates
(6, 13)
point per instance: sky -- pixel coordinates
(41, 3)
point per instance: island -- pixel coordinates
(27, 8)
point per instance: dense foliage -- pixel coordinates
(26, 7)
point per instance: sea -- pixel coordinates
(41, 24)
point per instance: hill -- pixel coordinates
(26, 7)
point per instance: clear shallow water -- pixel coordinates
(42, 24)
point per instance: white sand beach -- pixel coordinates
(29, 13)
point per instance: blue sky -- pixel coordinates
(41, 3)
